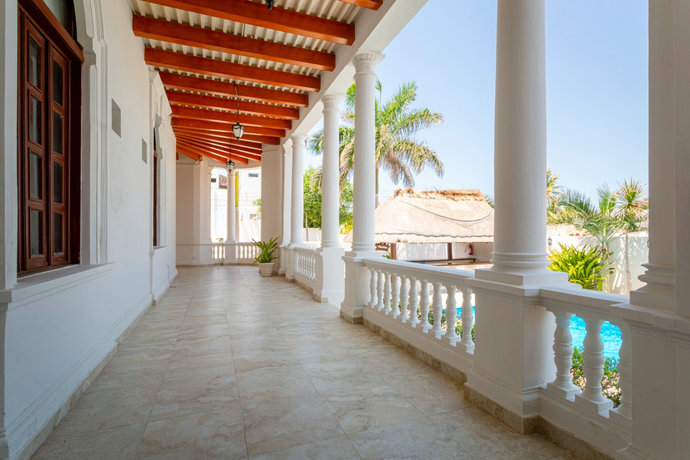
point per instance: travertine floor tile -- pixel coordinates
(431, 393)
(205, 435)
(279, 424)
(332, 449)
(416, 439)
(368, 408)
(273, 383)
(110, 444)
(183, 397)
(185, 367)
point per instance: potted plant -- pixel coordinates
(265, 258)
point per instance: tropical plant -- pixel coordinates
(489, 200)
(609, 383)
(257, 203)
(553, 198)
(584, 266)
(600, 220)
(398, 150)
(266, 250)
(313, 200)
(631, 207)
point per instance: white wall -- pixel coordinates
(58, 326)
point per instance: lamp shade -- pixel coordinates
(238, 130)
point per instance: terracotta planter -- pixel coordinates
(266, 269)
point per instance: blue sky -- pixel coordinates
(596, 58)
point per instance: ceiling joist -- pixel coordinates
(216, 68)
(181, 34)
(192, 151)
(221, 103)
(369, 4)
(252, 147)
(225, 147)
(255, 14)
(217, 151)
(212, 126)
(221, 88)
(248, 121)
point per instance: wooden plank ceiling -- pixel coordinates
(220, 57)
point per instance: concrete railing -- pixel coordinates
(305, 267)
(418, 304)
(239, 253)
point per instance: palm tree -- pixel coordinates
(398, 150)
(599, 220)
(631, 207)
(553, 198)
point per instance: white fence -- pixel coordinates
(418, 304)
(305, 269)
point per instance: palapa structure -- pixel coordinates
(435, 216)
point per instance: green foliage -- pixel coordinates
(313, 197)
(257, 203)
(489, 199)
(584, 266)
(610, 382)
(267, 249)
(398, 150)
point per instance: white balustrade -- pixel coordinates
(467, 315)
(424, 306)
(594, 308)
(306, 266)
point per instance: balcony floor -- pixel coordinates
(229, 365)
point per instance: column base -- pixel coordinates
(356, 285)
(660, 290)
(631, 453)
(330, 276)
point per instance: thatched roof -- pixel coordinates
(437, 216)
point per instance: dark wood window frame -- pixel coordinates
(49, 135)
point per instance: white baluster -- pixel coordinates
(424, 305)
(414, 302)
(467, 321)
(451, 316)
(437, 310)
(373, 278)
(381, 283)
(593, 357)
(625, 373)
(563, 385)
(395, 300)
(387, 293)
(404, 298)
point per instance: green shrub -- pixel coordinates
(609, 384)
(266, 248)
(584, 266)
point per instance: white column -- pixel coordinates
(231, 236)
(364, 189)
(364, 180)
(287, 216)
(659, 291)
(330, 274)
(297, 209)
(330, 190)
(520, 140)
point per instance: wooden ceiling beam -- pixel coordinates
(256, 14)
(216, 68)
(221, 88)
(369, 4)
(230, 149)
(216, 151)
(190, 150)
(223, 144)
(221, 103)
(247, 121)
(225, 138)
(198, 37)
(213, 126)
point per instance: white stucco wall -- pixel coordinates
(58, 326)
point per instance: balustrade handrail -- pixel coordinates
(304, 250)
(421, 271)
(594, 304)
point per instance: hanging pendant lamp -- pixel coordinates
(237, 128)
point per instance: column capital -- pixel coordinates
(332, 101)
(287, 150)
(367, 61)
(298, 139)
(232, 173)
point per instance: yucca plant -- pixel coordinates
(267, 249)
(584, 266)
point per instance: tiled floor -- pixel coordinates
(229, 365)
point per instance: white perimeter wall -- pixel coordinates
(60, 325)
